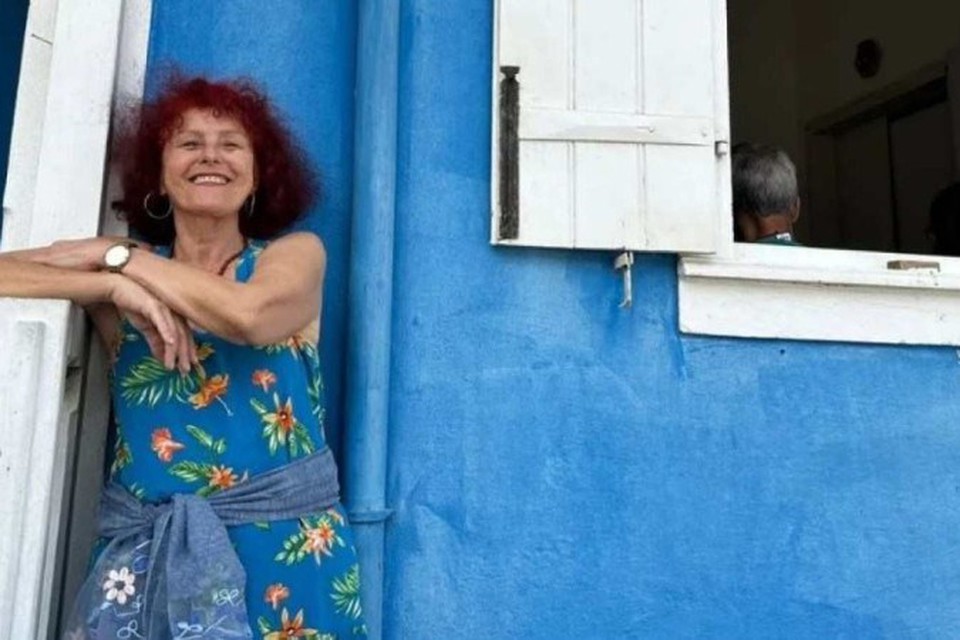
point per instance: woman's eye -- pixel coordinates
(189, 144)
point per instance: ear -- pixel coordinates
(746, 224)
(795, 211)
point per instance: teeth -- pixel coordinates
(209, 179)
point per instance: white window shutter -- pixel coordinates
(619, 134)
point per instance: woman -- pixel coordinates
(221, 519)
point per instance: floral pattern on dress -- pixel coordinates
(242, 411)
(317, 537)
(281, 427)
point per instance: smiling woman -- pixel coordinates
(216, 386)
(284, 188)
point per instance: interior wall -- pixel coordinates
(763, 73)
(911, 34)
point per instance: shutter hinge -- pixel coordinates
(722, 147)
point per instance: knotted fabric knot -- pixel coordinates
(167, 564)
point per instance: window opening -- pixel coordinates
(871, 151)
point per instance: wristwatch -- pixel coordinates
(116, 257)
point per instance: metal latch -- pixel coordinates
(624, 263)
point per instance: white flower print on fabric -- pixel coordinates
(119, 585)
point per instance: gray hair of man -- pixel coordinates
(764, 181)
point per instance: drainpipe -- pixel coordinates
(371, 294)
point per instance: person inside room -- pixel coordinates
(766, 202)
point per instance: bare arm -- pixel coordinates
(100, 292)
(281, 298)
(83, 255)
(21, 278)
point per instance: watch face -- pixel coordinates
(116, 256)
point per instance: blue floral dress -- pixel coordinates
(244, 410)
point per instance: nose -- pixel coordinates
(210, 153)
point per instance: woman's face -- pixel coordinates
(208, 165)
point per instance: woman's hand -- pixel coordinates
(167, 334)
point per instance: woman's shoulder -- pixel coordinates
(299, 249)
(293, 241)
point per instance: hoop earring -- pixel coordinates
(146, 207)
(249, 204)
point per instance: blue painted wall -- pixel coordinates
(302, 52)
(563, 468)
(13, 19)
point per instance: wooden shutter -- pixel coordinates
(610, 124)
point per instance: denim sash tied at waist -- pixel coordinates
(169, 569)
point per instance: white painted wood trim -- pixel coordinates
(74, 63)
(721, 116)
(820, 294)
(551, 124)
(34, 345)
(76, 124)
(495, 130)
(28, 122)
(129, 87)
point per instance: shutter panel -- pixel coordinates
(621, 106)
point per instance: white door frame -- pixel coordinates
(77, 57)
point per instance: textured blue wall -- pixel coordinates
(302, 52)
(562, 468)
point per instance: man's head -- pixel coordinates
(765, 197)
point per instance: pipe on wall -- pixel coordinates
(371, 294)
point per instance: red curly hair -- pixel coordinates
(286, 186)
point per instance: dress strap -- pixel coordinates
(248, 259)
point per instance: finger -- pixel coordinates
(171, 343)
(154, 342)
(192, 342)
(149, 333)
(194, 352)
(161, 318)
(183, 347)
